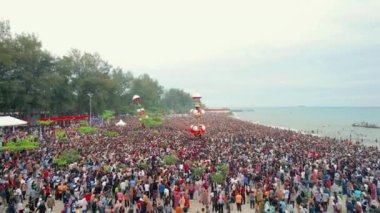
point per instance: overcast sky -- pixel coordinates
(235, 53)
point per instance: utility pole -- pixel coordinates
(90, 95)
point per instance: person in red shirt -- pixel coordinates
(187, 202)
(46, 173)
(47, 190)
(328, 184)
(205, 186)
(12, 183)
(88, 197)
(139, 204)
(186, 167)
(242, 192)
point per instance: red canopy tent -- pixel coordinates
(66, 118)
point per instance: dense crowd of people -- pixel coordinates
(269, 170)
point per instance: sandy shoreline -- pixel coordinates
(274, 127)
(367, 143)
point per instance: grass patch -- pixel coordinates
(61, 136)
(87, 130)
(152, 120)
(67, 157)
(111, 134)
(170, 159)
(25, 143)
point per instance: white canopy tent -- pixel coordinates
(11, 121)
(121, 123)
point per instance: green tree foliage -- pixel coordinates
(107, 168)
(5, 30)
(61, 135)
(143, 165)
(152, 120)
(170, 159)
(221, 174)
(67, 157)
(108, 114)
(35, 83)
(120, 98)
(177, 100)
(24, 68)
(45, 123)
(27, 142)
(223, 169)
(217, 177)
(111, 134)
(87, 130)
(121, 167)
(83, 123)
(198, 171)
(149, 90)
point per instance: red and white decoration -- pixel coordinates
(136, 98)
(140, 110)
(197, 112)
(197, 130)
(196, 97)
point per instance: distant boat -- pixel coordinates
(366, 125)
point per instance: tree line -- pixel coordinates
(35, 83)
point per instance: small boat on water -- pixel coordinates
(366, 125)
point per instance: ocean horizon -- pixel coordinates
(334, 122)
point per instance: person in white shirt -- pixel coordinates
(166, 192)
(18, 193)
(146, 189)
(123, 186)
(232, 180)
(84, 204)
(19, 207)
(233, 187)
(286, 194)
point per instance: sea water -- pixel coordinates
(335, 122)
